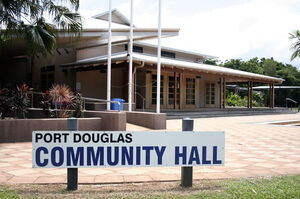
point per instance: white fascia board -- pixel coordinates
(97, 60)
(205, 68)
(140, 33)
(122, 32)
(119, 32)
(179, 64)
(104, 57)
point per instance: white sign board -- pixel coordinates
(76, 149)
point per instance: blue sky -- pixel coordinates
(224, 28)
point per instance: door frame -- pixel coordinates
(205, 94)
(176, 92)
(184, 91)
(162, 83)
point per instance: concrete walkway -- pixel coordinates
(252, 149)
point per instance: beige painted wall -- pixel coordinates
(97, 51)
(93, 83)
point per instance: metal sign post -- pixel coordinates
(187, 172)
(72, 172)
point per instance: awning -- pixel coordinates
(116, 17)
(210, 69)
(206, 68)
(99, 37)
(97, 60)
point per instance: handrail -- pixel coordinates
(101, 100)
(291, 100)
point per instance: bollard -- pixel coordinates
(72, 173)
(187, 172)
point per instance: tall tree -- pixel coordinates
(296, 45)
(269, 67)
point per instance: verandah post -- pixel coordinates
(72, 173)
(187, 172)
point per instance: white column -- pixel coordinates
(158, 60)
(130, 57)
(109, 58)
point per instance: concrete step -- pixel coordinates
(225, 113)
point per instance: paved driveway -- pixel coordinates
(252, 149)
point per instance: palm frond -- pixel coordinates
(40, 36)
(69, 21)
(295, 47)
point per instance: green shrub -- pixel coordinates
(234, 100)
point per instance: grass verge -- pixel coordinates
(275, 187)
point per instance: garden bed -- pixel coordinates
(20, 130)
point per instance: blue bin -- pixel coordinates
(114, 106)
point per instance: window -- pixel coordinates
(47, 77)
(210, 93)
(136, 49)
(167, 54)
(190, 90)
(154, 86)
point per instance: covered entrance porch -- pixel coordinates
(192, 86)
(185, 85)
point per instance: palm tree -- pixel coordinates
(296, 45)
(37, 22)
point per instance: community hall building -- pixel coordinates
(186, 82)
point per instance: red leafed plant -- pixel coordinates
(21, 99)
(14, 102)
(63, 98)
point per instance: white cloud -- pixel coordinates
(234, 31)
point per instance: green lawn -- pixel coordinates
(276, 187)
